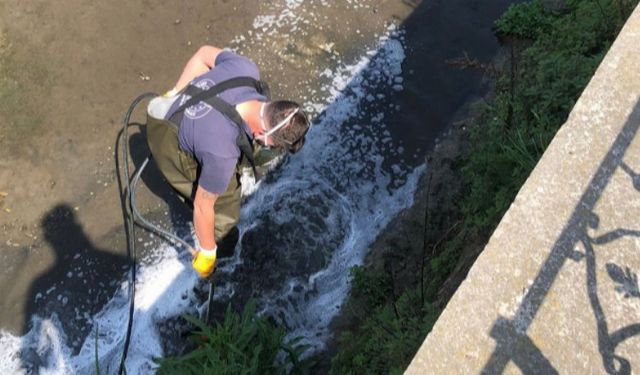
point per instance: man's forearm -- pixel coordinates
(204, 222)
(204, 217)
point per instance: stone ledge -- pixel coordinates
(556, 288)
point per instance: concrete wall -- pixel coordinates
(556, 288)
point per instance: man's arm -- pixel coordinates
(204, 217)
(200, 63)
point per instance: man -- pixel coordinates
(198, 148)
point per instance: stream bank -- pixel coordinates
(394, 261)
(416, 266)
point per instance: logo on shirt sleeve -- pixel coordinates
(201, 109)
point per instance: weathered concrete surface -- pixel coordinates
(556, 288)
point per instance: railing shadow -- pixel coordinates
(512, 342)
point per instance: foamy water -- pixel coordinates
(330, 201)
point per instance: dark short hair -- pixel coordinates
(290, 137)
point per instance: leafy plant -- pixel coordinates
(385, 343)
(373, 287)
(525, 21)
(534, 101)
(241, 344)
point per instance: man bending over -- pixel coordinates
(199, 144)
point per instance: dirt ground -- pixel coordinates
(68, 71)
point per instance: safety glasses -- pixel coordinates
(294, 146)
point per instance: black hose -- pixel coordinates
(125, 199)
(208, 316)
(141, 221)
(132, 216)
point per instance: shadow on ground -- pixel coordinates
(81, 280)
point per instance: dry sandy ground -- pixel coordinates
(68, 71)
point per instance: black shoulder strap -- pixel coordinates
(203, 95)
(242, 141)
(229, 111)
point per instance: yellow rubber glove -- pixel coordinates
(170, 93)
(205, 261)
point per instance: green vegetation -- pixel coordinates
(390, 333)
(241, 344)
(534, 96)
(553, 54)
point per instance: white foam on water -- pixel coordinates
(164, 289)
(341, 170)
(355, 183)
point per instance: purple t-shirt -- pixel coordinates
(206, 133)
